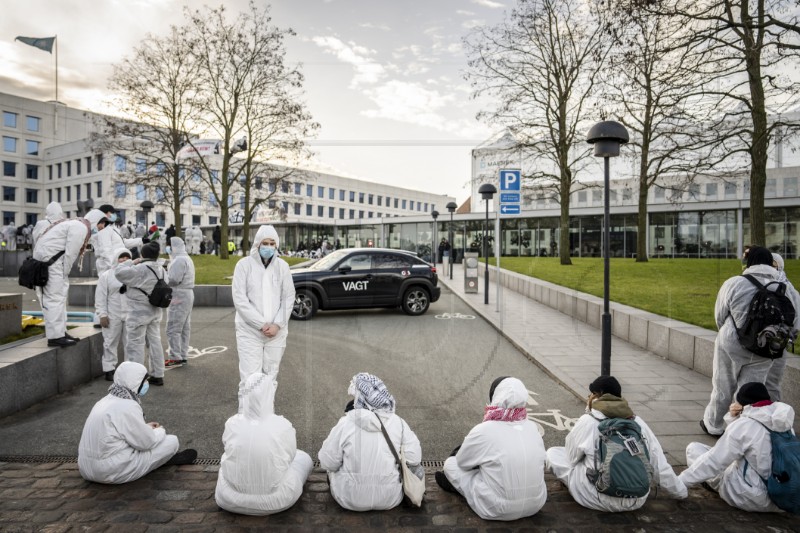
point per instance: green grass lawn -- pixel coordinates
(211, 270)
(682, 289)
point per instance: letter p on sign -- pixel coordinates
(509, 180)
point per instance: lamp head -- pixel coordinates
(607, 136)
(435, 214)
(451, 206)
(487, 191)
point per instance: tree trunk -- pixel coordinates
(641, 235)
(563, 237)
(248, 213)
(760, 141)
(223, 212)
(176, 201)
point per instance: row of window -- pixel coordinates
(55, 195)
(10, 195)
(31, 123)
(10, 145)
(78, 164)
(10, 170)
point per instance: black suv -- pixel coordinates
(364, 277)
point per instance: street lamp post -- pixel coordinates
(451, 206)
(487, 191)
(606, 136)
(434, 249)
(146, 206)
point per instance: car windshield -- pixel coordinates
(329, 260)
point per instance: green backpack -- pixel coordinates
(621, 460)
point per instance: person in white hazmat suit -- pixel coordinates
(499, 468)
(734, 365)
(109, 240)
(262, 472)
(52, 214)
(741, 460)
(197, 236)
(117, 445)
(71, 238)
(263, 295)
(362, 471)
(179, 312)
(143, 321)
(10, 235)
(570, 463)
(111, 307)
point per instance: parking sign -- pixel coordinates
(510, 180)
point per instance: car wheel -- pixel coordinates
(305, 305)
(416, 301)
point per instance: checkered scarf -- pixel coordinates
(514, 414)
(370, 393)
(121, 392)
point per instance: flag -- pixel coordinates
(43, 43)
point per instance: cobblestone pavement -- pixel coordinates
(52, 497)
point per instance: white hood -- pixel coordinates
(265, 232)
(509, 394)
(53, 212)
(120, 251)
(178, 247)
(777, 417)
(130, 375)
(94, 216)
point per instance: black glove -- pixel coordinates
(145, 240)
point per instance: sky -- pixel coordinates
(384, 79)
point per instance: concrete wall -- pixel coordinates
(82, 294)
(11, 261)
(685, 344)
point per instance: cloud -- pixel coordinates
(472, 23)
(370, 25)
(465, 12)
(367, 70)
(488, 3)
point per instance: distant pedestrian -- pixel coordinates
(499, 468)
(741, 460)
(216, 236)
(735, 365)
(576, 464)
(261, 472)
(117, 445)
(170, 232)
(362, 472)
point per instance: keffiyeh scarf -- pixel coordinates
(370, 393)
(501, 414)
(121, 392)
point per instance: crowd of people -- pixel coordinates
(611, 460)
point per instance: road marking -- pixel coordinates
(194, 353)
(448, 316)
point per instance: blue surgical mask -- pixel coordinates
(94, 231)
(144, 389)
(266, 251)
(112, 218)
(169, 250)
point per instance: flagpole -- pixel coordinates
(55, 41)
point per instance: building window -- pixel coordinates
(88, 164)
(9, 194)
(161, 219)
(379, 199)
(31, 147)
(285, 186)
(141, 192)
(212, 220)
(119, 163)
(141, 166)
(298, 189)
(309, 190)
(658, 193)
(369, 215)
(361, 197)
(352, 196)
(214, 177)
(78, 167)
(9, 119)
(259, 183)
(730, 190)
(320, 191)
(69, 193)
(352, 213)
(404, 204)
(195, 220)
(309, 210)
(341, 212)
(9, 169)
(9, 144)
(77, 192)
(50, 172)
(331, 193)
(9, 217)
(388, 202)
(99, 189)
(196, 200)
(88, 190)
(31, 196)
(341, 195)
(331, 212)
(119, 190)
(49, 195)
(212, 200)
(790, 186)
(694, 191)
(58, 170)
(69, 168)
(360, 214)
(32, 123)
(241, 201)
(31, 218)
(296, 209)
(160, 194)
(99, 162)
(370, 199)
(320, 211)
(58, 194)
(769, 189)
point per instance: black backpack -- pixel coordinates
(769, 326)
(34, 273)
(161, 296)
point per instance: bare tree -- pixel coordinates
(654, 85)
(156, 90)
(245, 86)
(756, 42)
(541, 65)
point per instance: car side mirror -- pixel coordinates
(345, 268)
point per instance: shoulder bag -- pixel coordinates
(413, 486)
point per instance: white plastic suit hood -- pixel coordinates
(178, 247)
(130, 375)
(53, 212)
(777, 417)
(510, 393)
(258, 397)
(265, 232)
(94, 216)
(119, 252)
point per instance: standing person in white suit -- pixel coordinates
(263, 294)
(69, 238)
(571, 463)
(499, 468)
(52, 214)
(10, 234)
(117, 445)
(262, 472)
(179, 312)
(197, 237)
(111, 307)
(110, 239)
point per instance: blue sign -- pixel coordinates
(509, 197)
(510, 180)
(510, 209)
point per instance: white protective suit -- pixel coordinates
(70, 236)
(179, 312)
(106, 243)
(569, 464)
(745, 442)
(196, 237)
(262, 472)
(108, 302)
(734, 365)
(261, 295)
(144, 320)
(117, 446)
(10, 235)
(140, 231)
(499, 468)
(362, 471)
